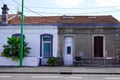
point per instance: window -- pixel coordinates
(46, 38)
(47, 50)
(47, 46)
(68, 49)
(18, 35)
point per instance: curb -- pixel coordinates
(62, 73)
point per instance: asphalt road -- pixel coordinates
(58, 77)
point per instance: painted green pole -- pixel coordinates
(21, 36)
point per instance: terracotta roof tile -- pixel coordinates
(90, 19)
(36, 20)
(64, 19)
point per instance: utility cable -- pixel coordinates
(74, 8)
(80, 13)
(63, 8)
(27, 8)
(38, 13)
(2, 2)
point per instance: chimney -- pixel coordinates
(4, 14)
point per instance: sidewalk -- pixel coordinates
(61, 70)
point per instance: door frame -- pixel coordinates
(41, 46)
(73, 51)
(98, 35)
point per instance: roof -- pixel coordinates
(35, 20)
(91, 19)
(64, 19)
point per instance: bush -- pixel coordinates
(12, 48)
(52, 61)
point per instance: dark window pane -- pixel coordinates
(47, 50)
(47, 39)
(69, 50)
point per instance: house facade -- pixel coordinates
(42, 40)
(73, 39)
(92, 43)
(95, 39)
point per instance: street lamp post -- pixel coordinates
(21, 35)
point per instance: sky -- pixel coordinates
(65, 7)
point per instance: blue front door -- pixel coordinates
(47, 52)
(46, 49)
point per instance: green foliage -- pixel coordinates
(12, 48)
(52, 61)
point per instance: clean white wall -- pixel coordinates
(32, 36)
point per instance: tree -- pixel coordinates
(12, 48)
